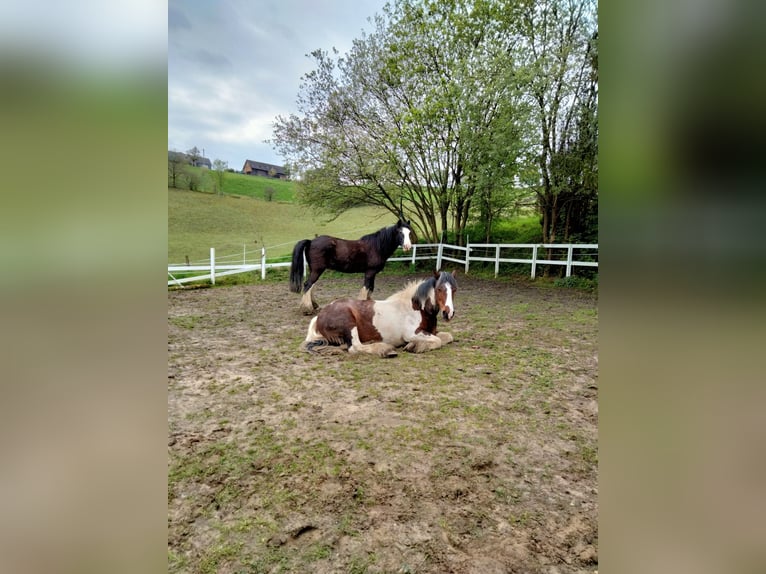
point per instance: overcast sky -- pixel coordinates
(235, 65)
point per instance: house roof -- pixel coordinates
(264, 166)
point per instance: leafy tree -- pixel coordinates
(219, 175)
(560, 42)
(176, 172)
(193, 178)
(448, 110)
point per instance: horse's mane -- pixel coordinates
(382, 238)
(422, 294)
(419, 292)
(408, 292)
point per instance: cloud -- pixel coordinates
(211, 59)
(234, 66)
(177, 20)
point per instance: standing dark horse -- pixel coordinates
(367, 254)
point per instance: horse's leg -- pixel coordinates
(381, 349)
(308, 304)
(445, 337)
(423, 342)
(369, 285)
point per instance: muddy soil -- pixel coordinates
(479, 457)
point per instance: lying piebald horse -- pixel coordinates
(407, 318)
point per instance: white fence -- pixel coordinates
(440, 252)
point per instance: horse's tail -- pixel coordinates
(296, 268)
(318, 344)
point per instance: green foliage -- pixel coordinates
(577, 282)
(516, 230)
(456, 111)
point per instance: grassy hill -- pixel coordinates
(248, 185)
(198, 221)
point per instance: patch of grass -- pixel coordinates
(185, 321)
(215, 556)
(269, 560)
(176, 563)
(575, 282)
(589, 455)
(361, 564)
(585, 316)
(318, 551)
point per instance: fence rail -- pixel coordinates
(440, 252)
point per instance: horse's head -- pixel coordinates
(444, 292)
(404, 230)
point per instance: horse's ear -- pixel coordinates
(454, 272)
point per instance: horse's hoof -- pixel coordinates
(390, 354)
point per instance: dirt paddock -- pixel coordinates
(480, 457)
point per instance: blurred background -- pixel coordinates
(83, 225)
(82, 244)
(683, 248)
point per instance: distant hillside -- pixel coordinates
(234, 224)
(249, 185)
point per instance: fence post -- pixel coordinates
(439, 256)
(467, 254)
(263, 263)
(497, 260)
(414, 248)
(569, 260)
(212, 265)
(534, 260)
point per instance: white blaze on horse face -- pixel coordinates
(406, 243)
(448, 304)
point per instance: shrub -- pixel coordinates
(575, 282)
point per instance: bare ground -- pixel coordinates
(480, 457)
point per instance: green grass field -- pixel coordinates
(244, 223)
(259, 187)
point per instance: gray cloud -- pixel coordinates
(210, 59)
(177, 20)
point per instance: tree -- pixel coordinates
(176, 172)
(448, 110)
(560, 40)
(193, 178)
(219, 175)
(404, 120)
(194, 155)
